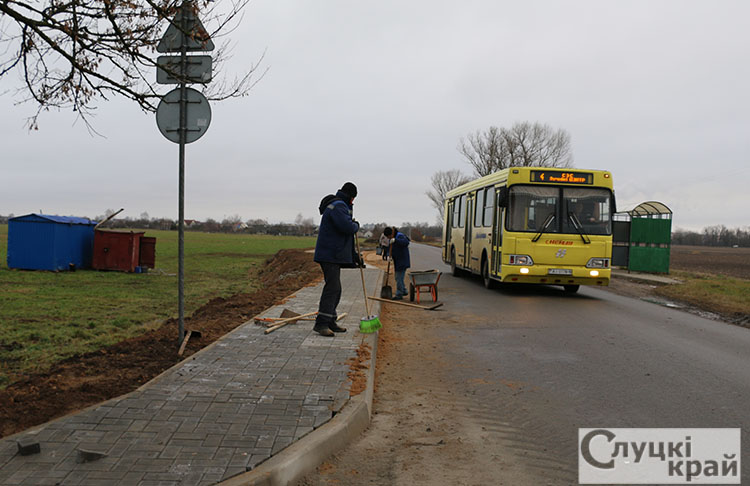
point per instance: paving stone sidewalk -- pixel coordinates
(220, 413)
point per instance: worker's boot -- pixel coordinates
(323, 330)
(336, 328)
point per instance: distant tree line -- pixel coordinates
(231, 224)
(718, 235)
(417, 232)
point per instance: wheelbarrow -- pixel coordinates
(424, 281)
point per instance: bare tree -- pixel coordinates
(74, 53)
(442, 183)
(523, 145)
(306, 225)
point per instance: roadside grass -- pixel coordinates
(49, 316)
(714, 293)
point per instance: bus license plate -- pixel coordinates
(560, 271)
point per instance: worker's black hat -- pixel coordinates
(349, 189)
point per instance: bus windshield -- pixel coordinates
(552, 209)
(588, 209)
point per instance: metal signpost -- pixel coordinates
(183, 115)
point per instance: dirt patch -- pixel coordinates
(733, 262)
(87, 379)
(358, 367)
(631, 288)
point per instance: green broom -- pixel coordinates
(370, 323)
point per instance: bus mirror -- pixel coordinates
(502, 197)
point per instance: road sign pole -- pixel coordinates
(181, 197)
(185, 33)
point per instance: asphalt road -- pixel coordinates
(539, 364)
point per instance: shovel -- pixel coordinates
(387, 292)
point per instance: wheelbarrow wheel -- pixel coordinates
(411, 292)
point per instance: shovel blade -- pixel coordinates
(286, 313)
(386, 292)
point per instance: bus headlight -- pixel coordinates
(524, 270)
(598, 263)
(520, 260)
(594, 273)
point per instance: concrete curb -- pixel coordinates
(303, 456)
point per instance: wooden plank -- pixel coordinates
(431, 307)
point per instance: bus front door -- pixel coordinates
(497, 237)
(447, 231)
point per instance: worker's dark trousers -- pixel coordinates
(331, 295)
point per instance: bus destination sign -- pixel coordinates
(557, 177)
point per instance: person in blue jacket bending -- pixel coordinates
(401, 260)
(334, 250)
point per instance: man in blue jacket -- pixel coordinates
(401, 260)
(334, 250)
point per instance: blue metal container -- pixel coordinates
(44, 242)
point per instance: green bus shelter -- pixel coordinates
(642, 238)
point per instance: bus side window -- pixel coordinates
(456, 208)
(462, 212)
(479, 208)
(489, 209)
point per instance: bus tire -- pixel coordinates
(571, 289)
(486, 279)
(455, 271)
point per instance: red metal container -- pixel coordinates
(117, 250)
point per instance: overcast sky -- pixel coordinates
(380, 94)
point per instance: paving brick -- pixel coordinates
(170, 452)
(300, 432)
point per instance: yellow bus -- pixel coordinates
(532, 225)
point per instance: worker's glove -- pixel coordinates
(356, 222)
(358, 261)
(392, 241)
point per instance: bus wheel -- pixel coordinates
(488, 282)
(455, 271)
(571, 289)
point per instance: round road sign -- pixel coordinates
(197, 120)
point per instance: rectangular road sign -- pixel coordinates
(198, 69)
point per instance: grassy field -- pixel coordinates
(716, 279)
(715, 293)
(47, 316)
